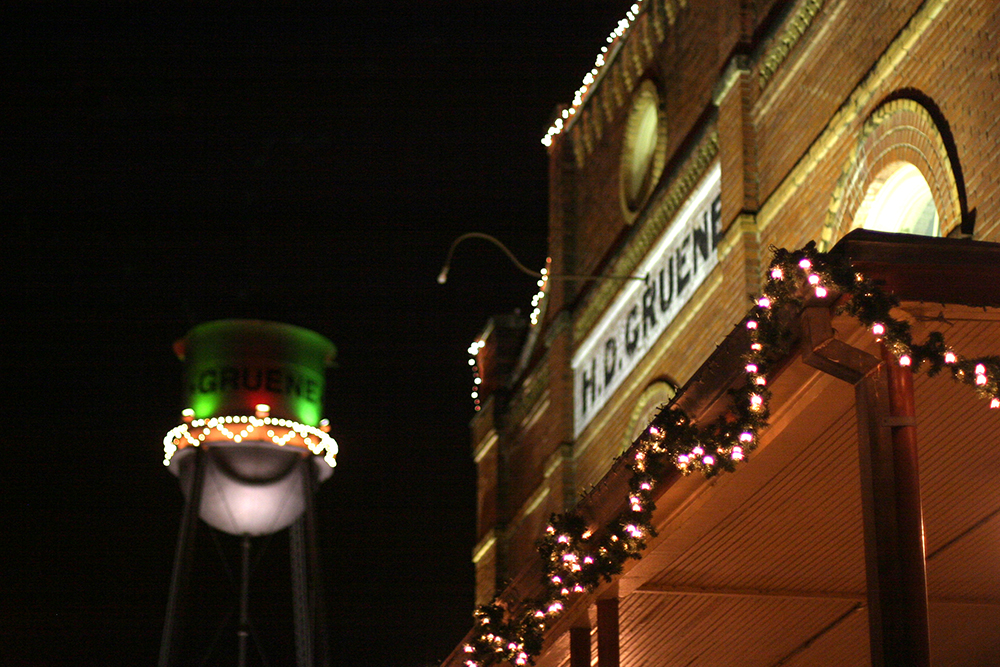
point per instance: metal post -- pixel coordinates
(322, 645)
(893, 522)
(311, 644)
(182, 560)
(243, 631)
(302, 604)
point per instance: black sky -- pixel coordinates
(169, 164)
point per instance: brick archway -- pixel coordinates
(900, 131)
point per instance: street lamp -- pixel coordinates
(443, 275)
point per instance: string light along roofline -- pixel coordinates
(608, 53)
(537, 301)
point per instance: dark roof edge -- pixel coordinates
(922, 268)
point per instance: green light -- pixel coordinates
(231, 366)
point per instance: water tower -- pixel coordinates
(250, 452)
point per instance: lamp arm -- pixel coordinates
(443, 276)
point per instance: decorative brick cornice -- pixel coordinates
(795, 26)
(622, 74)
(899, 131)
(531, 390)
(661, 211)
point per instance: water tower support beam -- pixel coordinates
(182, 560)
(312, 648)
(243, 632)
(302, 603)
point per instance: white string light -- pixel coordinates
(536, 301)
(237, 428)
(600, 62)
(477, 379)
(474, 349)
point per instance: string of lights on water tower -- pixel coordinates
(237, 428)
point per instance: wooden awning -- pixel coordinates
(766, 566)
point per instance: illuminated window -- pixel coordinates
(899, 201)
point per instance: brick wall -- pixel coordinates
(789, 89)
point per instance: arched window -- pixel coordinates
(899, 178)
(646, 408)
(899, 200)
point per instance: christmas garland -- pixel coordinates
(577, 557)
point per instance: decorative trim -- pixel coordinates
(485, 446)
(483, 546)
(661, 212)
(540, 494)
(632, 203)
(898, 131)
(842, 123)
(615, 84)
(785, 42)
(737, 66)
(643, 405)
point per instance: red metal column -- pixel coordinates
(893, 520)
(608, 653)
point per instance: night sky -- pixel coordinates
(165, 165)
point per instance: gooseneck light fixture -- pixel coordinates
(443, 276)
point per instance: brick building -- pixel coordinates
(864, 527)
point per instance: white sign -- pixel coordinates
(675, 266)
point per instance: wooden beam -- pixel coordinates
(749, 593)
(608, 649)
(660, 589)
(579, 647)
(824, 352)
(922, 268)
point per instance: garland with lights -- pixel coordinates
(576, 557)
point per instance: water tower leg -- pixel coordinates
(312, 649)
(182, 560)
(301, 596)
(243, 631)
